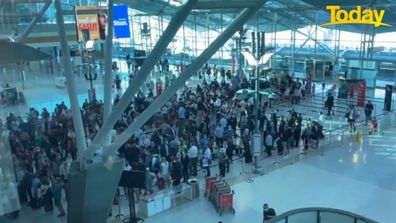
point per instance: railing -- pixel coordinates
(339, 134)
(319, 215)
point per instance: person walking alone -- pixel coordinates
(368, 111)
(329, 103)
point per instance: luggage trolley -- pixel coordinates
(216, 187)
(209, 181)
(221, 196)
(226, 202)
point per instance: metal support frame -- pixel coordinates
(302, 45)
(184, 41)
(316, 41)
(180, 81)
(222, 48)
(309, 37)
(150, 62)
(207, 30)
(256, 75)
(159, 30)
(337, 50)
(71, 87)
(108, 75)
(293, 47)
(287, 26)
(216, 4)
(151, 35)
(274, 23)
(316, 32)
(195, 36)
(366, 46)
(33, 23)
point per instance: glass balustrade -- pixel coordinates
(319, 215)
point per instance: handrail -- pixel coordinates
(287, 214)
(362, 121)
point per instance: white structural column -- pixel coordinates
(174, 25)
(108, 75)
(71, 87)
(181, 80)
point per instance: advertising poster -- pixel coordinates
(87, 23)
(102, 26)
(361, 93)
(121, 22)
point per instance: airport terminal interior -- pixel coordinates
(231, 111)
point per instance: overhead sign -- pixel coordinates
(355, 16)
(121, 22)
(87, 25)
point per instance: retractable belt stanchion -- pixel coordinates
(243, 173)
(119, 214)
(323, 145)
(250, 180)
(276, 163)
(291, 153)
(264, 173)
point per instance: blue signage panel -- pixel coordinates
(121, 22)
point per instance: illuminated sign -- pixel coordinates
(121, 22)
(355, 16)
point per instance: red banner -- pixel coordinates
(361, 93)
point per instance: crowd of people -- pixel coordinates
(193, 128)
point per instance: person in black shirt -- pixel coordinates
(268, 213)
(185, 162)
(117, 82)
(128, 60)
(329, 103)
(368, 110)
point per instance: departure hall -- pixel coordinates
(184, 111)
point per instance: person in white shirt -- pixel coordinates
(206, 161)
(165, 170)
(269, 144)
(217, 102)
(193, 155)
